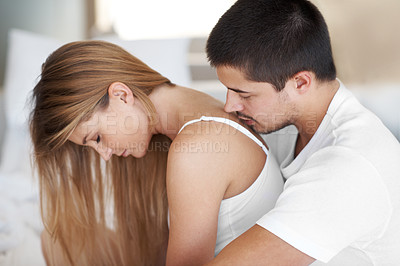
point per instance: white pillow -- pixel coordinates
(26, 54)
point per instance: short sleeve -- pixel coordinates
(335, 200)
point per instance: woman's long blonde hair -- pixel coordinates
(77, 189)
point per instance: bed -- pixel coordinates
(20, 224)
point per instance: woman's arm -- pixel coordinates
(195, 188)
(202, 169)
(197, 178)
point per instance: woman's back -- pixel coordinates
(220, 181)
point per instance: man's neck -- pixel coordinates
(313, 111)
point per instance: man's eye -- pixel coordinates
(98, 139)
(245, 97)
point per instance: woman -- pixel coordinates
(157, 139)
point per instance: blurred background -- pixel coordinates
(365, 34)
(170, 36)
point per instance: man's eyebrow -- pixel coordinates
(237, 90)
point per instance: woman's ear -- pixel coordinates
(120, 91)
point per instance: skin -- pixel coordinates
(194, 191)
(303, 102)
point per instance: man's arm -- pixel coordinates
(258, 246)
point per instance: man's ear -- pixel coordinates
(120, 91)
(303, 81)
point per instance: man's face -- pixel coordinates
(257, 104)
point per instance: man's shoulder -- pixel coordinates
(340, 164)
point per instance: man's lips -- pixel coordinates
(246, 120)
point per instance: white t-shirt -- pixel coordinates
(238, 213)
(341, 200)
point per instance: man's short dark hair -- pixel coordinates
(272, 40)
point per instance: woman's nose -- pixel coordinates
(104, 152)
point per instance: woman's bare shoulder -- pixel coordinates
(217, 153)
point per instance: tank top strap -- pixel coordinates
(231, 123)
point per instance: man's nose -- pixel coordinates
(233, 103)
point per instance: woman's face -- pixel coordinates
(121, 129)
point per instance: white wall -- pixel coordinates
(365, 39)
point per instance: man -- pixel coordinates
(341, 201)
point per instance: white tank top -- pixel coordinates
(238, 213)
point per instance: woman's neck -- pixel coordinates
(165, 111)
(176, 105)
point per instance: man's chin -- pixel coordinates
(262, 130)
(256, 129)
